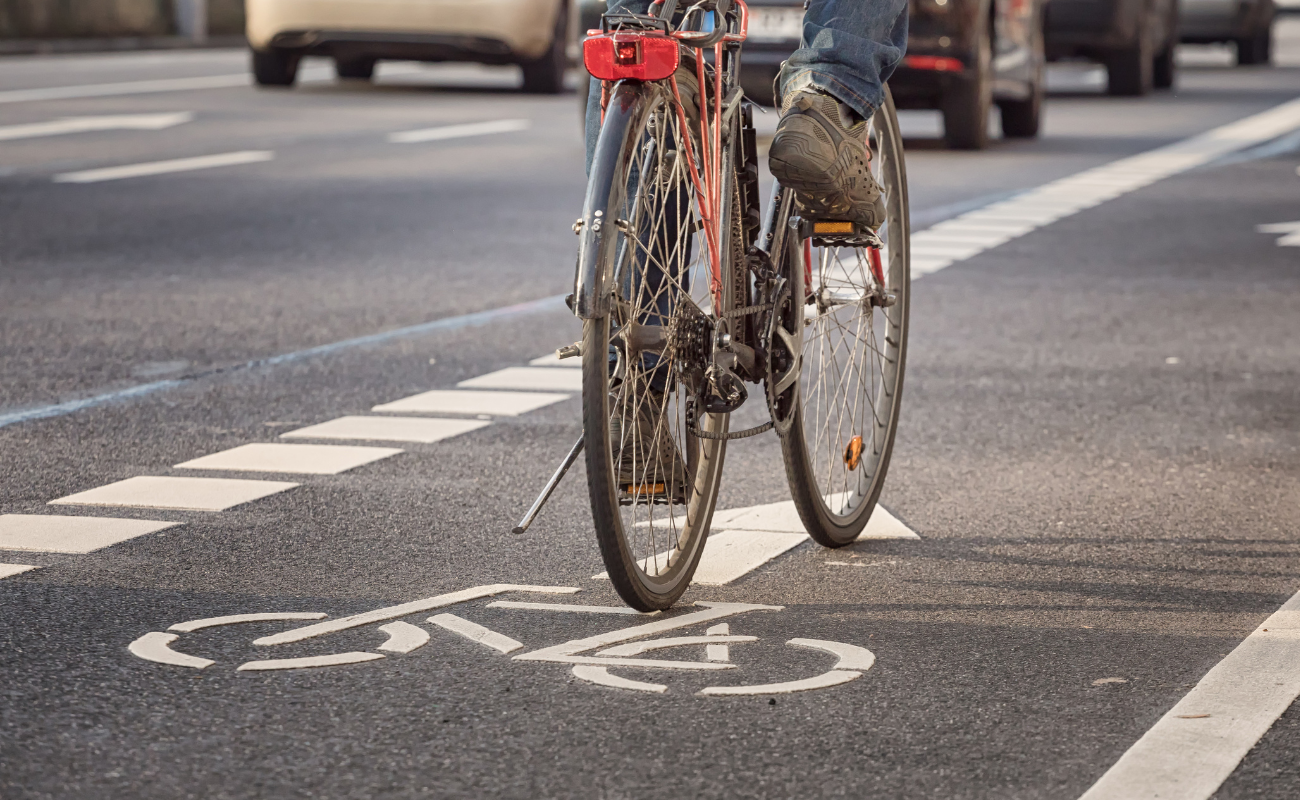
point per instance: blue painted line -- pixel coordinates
(554, 302)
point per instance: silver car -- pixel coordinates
(1247, 23)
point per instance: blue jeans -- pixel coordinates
(849, 49)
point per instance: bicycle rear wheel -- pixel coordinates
(851, 331)
(653, 482)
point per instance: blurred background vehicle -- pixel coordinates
(358, 33)
(1246, 23)
(964, 56)
(1134, 39)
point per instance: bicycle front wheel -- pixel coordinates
(653, 480)
(851, 329)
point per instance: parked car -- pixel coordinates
(358, 33)
(1246, 23)
(1134, 39)
(963, 57)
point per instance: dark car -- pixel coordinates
(1134, 39)
(1246, 23)
(963, 57)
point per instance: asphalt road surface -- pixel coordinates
(1096, 485)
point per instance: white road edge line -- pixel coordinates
(1194, 747)
(460, 131)
(163, 167)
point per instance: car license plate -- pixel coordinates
(776, 24)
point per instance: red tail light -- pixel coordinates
(638, 57)
(934, 63)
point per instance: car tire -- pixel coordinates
(275, 67)
(967, 104)
(358, 69)
(1021, 119)
(546, 74)
(1131, 71)
(1257, 49)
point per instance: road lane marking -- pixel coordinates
(553, 360)
(125, 87)
(406, 609)
(332, 660)
(1070, 195)
(476, 633)
(164, 167)
(458, 401)
(69, 125)
(184, 494)
(460, 131)
(536, 378)
(47, 533)
(1194, 747)
(238, 619)
(782, 517)
(387, 429)
(601, 676)
(1290, 232)
(308, 459)
(156, 646)
(9, 570)
(403, 637)
(569, 608)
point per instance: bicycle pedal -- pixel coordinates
(836, 233)
(647, 494)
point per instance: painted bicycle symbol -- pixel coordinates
(590, 658)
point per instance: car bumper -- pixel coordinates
(493, 29)
(1217, 20)
(1078, 26)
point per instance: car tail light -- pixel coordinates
(635, 57)
(934, 63)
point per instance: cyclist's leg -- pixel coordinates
(849, 49)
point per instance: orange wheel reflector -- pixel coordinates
(853, 453)
(833, 227)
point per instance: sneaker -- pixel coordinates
(820, 151)
(650, 467)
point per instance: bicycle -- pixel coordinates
(688, 292)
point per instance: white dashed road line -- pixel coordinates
(535, 378)
(62, 534)
(453, 401)
(70, 125)
(125, 87)
(460, 131)
(183, 494)
(307, 459)
(1193, 749)
(388, 429)
(164, 167)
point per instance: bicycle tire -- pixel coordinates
(836, 507)
(650, 557)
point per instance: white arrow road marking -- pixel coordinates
(153, 646)
(601, 676)
(823, 681)
(403, 637)
(569, 608)
(164, 167)
(59, 127)
(1291, 231)
(459, 131)
(235, 619)
(406, 609)
(476, 633)
(1194, 747)
(637, 648)
(310, 661)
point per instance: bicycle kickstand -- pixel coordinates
(549, 488)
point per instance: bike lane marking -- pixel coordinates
(51, 533)
(333, 660)
(622, 610)
(476, 633)
(9, 570)
(403, 637)
(235, 619)
(464, 401)
(1199, 742)
(182, 494)
(538, 378)
(307, 459)
(420, 430)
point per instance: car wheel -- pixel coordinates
(966, 106)
(546, 74)
(1131, 71)
(359, 69)
(275, 67)
(1021, 119)
(1257, 49)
